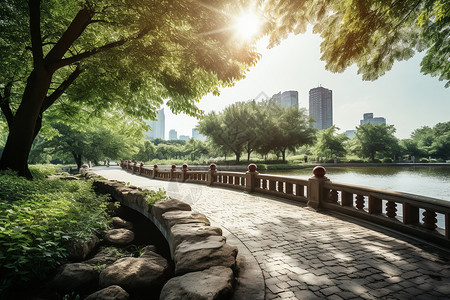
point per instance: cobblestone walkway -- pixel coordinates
(306, 254)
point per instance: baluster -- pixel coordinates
(347, 199)
(299, 190)
(447, 225)
(410, 214)
(391, 209)
(360, 202)
(264, 184)
(333, 196)
(272, 185)
(289, 188)
(429, 219)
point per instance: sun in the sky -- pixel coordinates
(247, 26)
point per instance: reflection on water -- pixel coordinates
(420, 180)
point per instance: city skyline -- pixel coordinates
(404, 96)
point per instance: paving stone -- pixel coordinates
(298, 245)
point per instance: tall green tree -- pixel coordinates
(329, 144)
(111, 55)
(376, 138)
(293, 128)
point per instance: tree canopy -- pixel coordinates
(371, 34)
(127, 56)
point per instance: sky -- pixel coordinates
(404, 96)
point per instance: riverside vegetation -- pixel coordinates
(39, 218)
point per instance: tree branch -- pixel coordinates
(73, 59)
(4, 104)
(35, 32)
(72, 33)
(49, 100)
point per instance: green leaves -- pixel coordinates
(37, 218)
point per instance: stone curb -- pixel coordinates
(173, 212)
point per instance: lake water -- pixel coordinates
(430, 181)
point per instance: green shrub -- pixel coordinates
(153, 196)
(387, 160)
(423, 160)
(38, 218)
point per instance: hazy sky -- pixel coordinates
(406, 98)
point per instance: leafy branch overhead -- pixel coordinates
(371, 34)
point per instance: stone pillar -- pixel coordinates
(141, 167)
(184, 173)
(250, 178)
(155, 170)
(316, 192)
(212, 174)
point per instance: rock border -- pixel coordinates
(195, 245)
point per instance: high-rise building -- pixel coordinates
(369, 119)
(173, 134)
(289, 98)
(158, 126)
(277, 98)
(197, 135)
(184, 137)
(321, 107)
(286, 99)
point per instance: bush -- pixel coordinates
(423, 160)
(356, 161)
(38, 218)
(387, 160)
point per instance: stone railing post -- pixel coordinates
(250, 176)
(155, 171)
(184, 173)
(316, 192)
(134, 166)
(172, 171)
(141, 167)
(212, 174)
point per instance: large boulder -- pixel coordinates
(106, 256)
(118, 222)
(113, 292)
(163, 206)
(79, 249)
(211, 284)
(203, 254)
(76, 277)
(191, 232)
(171, 218)
(119, 237)
(136, 274)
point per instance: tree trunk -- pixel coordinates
(248, 154)
(26, 124)
(238, 156)
(77, 158)
(283, 152)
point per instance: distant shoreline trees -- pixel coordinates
(260, 127)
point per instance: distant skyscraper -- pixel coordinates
(184, 138)
(158, 126)
(197, 135)
(289, 98)
(277, 98)
(368, 118)
(173, 134)
(321, 107)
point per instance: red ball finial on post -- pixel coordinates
(185, 166)
(252, 167)
(319, 171)
(174, 167)
(155, 166)
(212, 167)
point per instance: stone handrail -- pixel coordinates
(400, 211)
(374, 205)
